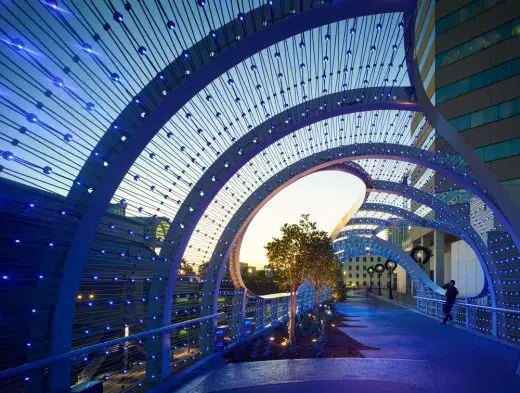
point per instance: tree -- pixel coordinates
(322, 268)
(288, 258)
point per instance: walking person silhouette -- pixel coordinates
(451, 295)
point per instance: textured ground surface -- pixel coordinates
(411, 354)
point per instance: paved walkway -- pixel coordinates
(413, 354)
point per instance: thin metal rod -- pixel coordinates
(471, 305)
(91, 348)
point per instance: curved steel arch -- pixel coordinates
(95, 206)
(400, 215)
(385, 208)
(490, 190)
(465, 232)
(105, 184)
(418, 221)
(241, 219)
(365, 221)
(357, 247)
(350, 168)
(318, 161)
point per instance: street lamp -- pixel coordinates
(379, 270)
(371, 271)
(390, 267)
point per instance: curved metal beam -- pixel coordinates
(489, 189)
(357, 247)
(316, 162)
(160, 109)
(418, 221)
(319, 161)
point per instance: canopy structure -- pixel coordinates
(139, 140)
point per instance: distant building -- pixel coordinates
(246, 270)
(268, 271)
(354, 272)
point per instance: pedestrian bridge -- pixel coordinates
(408, 352)
(139, 140)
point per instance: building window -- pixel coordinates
(350, 283)
(364, 259)
(364, 268)
(357, 275)
(463, 14)
(350, 275)
(484, 41)
(357, 259)
(479, 80)
(364, 283)
(364, 275)
(379, 259)
(498, 151)
(357, 283)
(371, 259)
(350, 267)
(357, 267)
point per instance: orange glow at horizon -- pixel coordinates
(326, 196)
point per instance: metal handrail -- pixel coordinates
(81, 351)
(471, 305)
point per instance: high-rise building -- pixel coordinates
(468, 53)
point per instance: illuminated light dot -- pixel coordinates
(87, 48)
(51, 244)
(17, 241)
(67, 137)
(31, 118)
(58, 82)
(17, 43)
(4, 277)
(142, 50)
(118, 17)
(89, 106)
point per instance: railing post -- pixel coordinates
(494, 323)
(466, 307)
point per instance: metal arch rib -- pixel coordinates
(238, 223)
(93, 206)
(488, 187)
(318, 161)
(357, 248)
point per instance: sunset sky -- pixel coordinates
(326, 196)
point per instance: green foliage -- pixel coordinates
(261, 284)
(303, 253)
(322, 266)
(288, 255)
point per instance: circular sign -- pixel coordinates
(421, 254)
